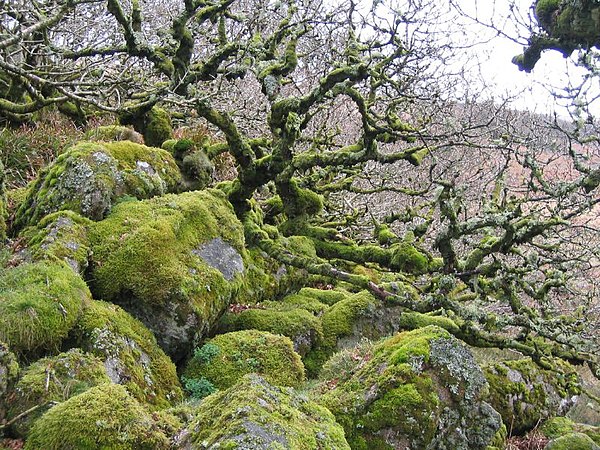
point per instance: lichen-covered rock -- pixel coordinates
(60, 236)
(39, 304)
(50, 380)
(114, 133)
(525, 394)
(256, 415)
(415, 390)
(155, 259)
(129, 353)
(572, 441)
(224, 360)
(89, 178)
(562, 426)
(104, 416)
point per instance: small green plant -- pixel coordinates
(198, 387)
(206, 353)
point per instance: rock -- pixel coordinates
(40, 304)
(562, 426)
(224, 360)
(149, 257)
(417, 389)
(572, 441)
(300, 325)
(9, 371)
(114, 133)
(53, 380)
(129, 353)
(256, 415)
(525, 394)
(60, 236)
(104, 416)
(90, 176)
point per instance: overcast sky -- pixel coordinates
(531, 89)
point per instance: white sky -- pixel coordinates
(552, 72)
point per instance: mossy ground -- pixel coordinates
(39, 304)
(104, 416)
(129, 352)
(232, 355)
(256, 415)
(53, 379)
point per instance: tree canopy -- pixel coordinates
(345, 129)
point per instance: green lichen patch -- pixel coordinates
(148, 256)
(572, 441)
(525, 394)
(89, 177)
(60, 236)
(53, 379)
(302, 327)
(256, 415)
(39, 304)
(104, 416)
(235, 354)
(129, 353)
(562, 426)
(417, 389)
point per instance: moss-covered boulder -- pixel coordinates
(114, 133)
(572, 441)
(415, 390)
(89, 178)
(256, 415)
(105, 416)
(39, 304)
(60, 236)
(224, 360)
(525, 394)
(9, 371)
(52, 380)
(129, 353)
(173, 262)
(287, 319)
(562, 426)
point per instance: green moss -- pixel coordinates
(339, 320)
(398, 392)
(158, 127)
(407, 258)
(114, 133)
(198, 169)
(89, 177)
(53, 379)
(129, 352)
(249, 351)
(301, 326)
(573, 441)
(60, 236)
(105, 416)
(544, 9)
(326, 296)
(562, 426)
(3, 204)
(9, 371)
(524, 394)
(412, 321)
(39, 304)
(256, 415)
